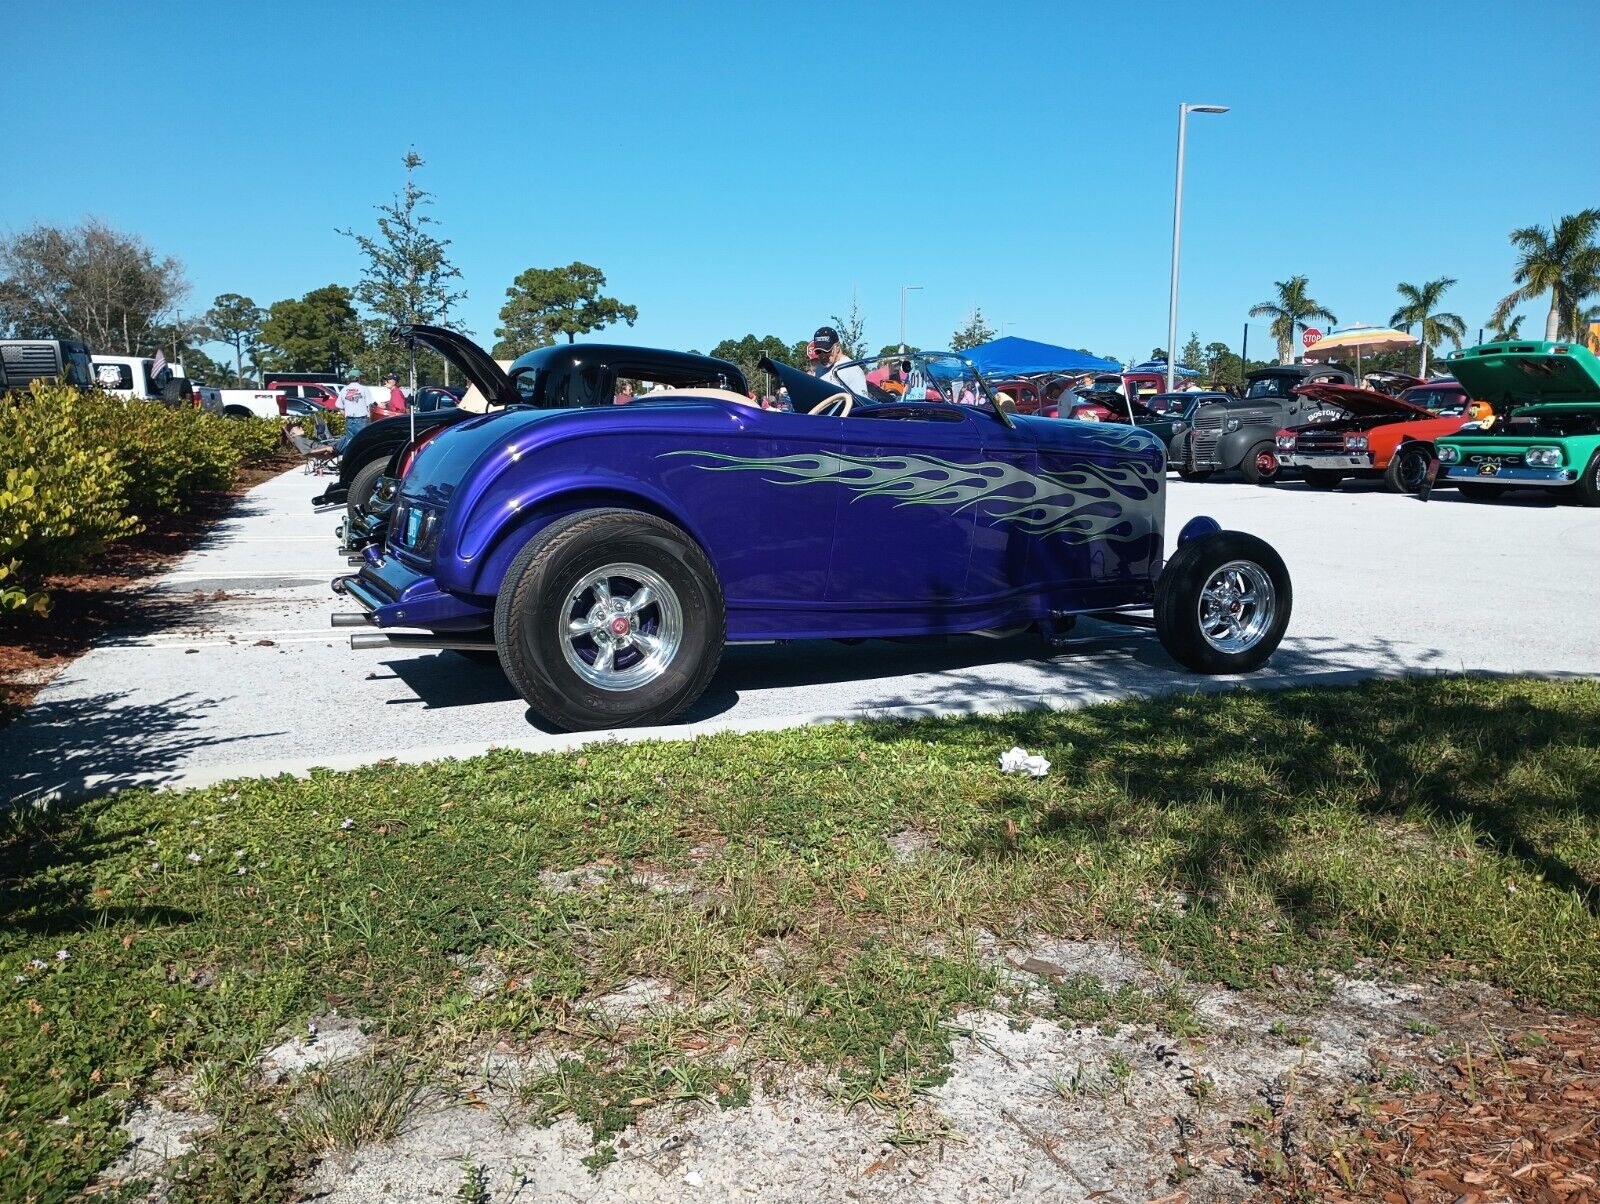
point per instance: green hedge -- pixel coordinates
(82, 467)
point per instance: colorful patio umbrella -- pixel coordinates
(1359, 339)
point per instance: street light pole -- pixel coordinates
(1177, 237)
(904, 289)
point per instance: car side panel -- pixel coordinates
(1383, 441)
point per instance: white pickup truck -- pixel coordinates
(132, 377)
(251, 403)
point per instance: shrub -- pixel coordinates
(66, 496)
(82, 466)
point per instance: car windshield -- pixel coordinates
(1270, 386)
(921, 376)
(1445, 402)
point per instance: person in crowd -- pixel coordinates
(355, 401)
(624, 393)
(396, 401)
(827, 356)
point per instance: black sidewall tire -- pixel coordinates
(1479, 493)
(1188, 475)
(1178, 601)
(1318, 479)
(1589, 483)
(1394, 477)
(536, 587)
(363, 486)
(1252, 473)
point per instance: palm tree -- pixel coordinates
(1554, 261)
(1420, 305)
(1289, 313)
(1504, 328)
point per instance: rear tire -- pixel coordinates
(574, 650)
(1588, 485)
(1479, 493)
(1223, 603)
(1408, 467)
(1260, 466)
(362, 486)
(1317, 478)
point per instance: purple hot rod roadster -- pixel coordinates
(605, 556)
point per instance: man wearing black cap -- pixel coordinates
(830, 355)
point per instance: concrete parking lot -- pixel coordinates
(240, 673)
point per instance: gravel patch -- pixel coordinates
(328, 1039)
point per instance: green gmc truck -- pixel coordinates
(1551, 438)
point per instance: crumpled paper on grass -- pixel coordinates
(1020, 760)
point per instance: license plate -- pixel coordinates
(413, 525)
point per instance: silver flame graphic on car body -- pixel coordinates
(1079, 504)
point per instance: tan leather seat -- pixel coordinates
(719, 394)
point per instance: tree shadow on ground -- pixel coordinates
(1254, 767)
(79, 747)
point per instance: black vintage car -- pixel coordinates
(1236, 434)
(567, 376)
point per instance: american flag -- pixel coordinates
(157, 363)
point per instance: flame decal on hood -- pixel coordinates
(1079, 504)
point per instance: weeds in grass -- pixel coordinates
(362, 1103)
(1303, 830)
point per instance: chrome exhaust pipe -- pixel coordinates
(375, 639)
(350, 618)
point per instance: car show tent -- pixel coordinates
(1012, 356)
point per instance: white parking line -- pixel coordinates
(329, 636)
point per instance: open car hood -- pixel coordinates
(1524, 373)
(1363, 403)
(476, 364)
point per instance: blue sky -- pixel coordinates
(744, 168)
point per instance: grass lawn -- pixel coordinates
(816, 899)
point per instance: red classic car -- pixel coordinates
(1369, 434)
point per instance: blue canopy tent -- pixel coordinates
(1012, 356)
(1161, 367)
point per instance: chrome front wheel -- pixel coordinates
(1237, 607)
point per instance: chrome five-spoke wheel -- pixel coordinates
(1237, 606)
(621, 627)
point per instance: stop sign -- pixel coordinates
(1311, 337)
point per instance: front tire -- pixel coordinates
(1408, 468)
(1191, 475)
(1260, 465)
(1317, 478)
(1588, 485)
(1223, 603)
(610, 618)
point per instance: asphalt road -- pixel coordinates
(239, 672)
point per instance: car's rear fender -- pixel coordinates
(484, 573)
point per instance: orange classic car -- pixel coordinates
(1362, 433)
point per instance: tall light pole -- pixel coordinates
(1177, 237)
(904, 289)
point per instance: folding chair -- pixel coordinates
(321, 455)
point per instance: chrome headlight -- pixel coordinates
(1543, 457)
(1233, 424)
(1285, 442)
(1355, 443)
(1448, 454)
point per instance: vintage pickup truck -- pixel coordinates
(1545, 433)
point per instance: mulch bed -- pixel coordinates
(33, 648)
(1512, 1120)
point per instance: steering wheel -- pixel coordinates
(837, 406)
